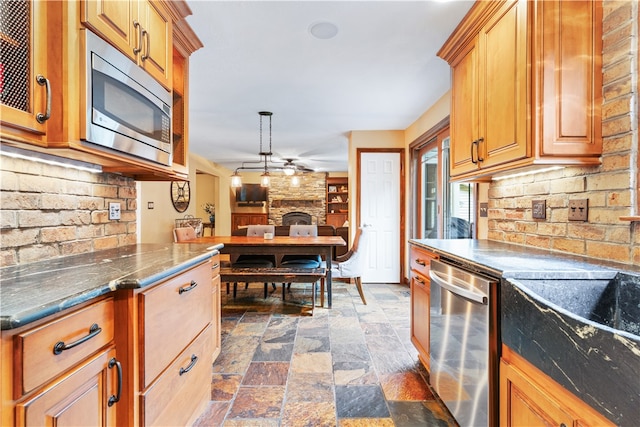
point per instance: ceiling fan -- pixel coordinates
(289, 167)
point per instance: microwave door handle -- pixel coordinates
(461, 292)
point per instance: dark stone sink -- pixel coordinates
(585, 334)
(614, 303)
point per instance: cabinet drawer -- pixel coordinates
(177, 394)
(420, 260)
(44, 352)
(173, 314)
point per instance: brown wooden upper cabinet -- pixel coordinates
(45, 109)
(526, 86)
(141, 29)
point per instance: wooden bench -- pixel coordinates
(274, 274)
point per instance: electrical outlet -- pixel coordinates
(578, 209)
(114, 211)
(539, 209)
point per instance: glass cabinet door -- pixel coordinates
(24, 87)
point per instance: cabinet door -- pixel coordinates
(464, 110)
(115, 21)
(523, 404)
(23, 57)
(336, 219)
(80, 398)
(420, 303)
(156, 56)
(569, 77)
(503, 74)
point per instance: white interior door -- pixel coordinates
(380, 209)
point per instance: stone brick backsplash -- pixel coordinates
(49, 211)
(610, 188)
(309, 197)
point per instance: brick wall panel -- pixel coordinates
(48, 211)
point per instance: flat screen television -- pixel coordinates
(249, 193)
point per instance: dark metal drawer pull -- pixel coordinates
(61, 346)
(43, 81)
(421, 262)
(115, 398)
(194, 360)
(188, 288)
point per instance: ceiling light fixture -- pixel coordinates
(264, 163)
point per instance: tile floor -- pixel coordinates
(352, 365)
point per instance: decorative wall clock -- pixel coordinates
(180, 195)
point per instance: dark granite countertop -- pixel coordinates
(32, 291)
(521, 262)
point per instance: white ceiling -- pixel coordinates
(380, 72)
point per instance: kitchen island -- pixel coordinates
(124, 336)
(603, 379)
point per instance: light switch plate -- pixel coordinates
(114, 211)
(578, 210)
(539, 209)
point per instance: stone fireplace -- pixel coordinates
(309, 198)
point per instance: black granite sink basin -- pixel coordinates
(614, 303)
(585, 334)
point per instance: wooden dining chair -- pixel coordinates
(301, 261)
(255, 261)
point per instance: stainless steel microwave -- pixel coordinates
(127, 110)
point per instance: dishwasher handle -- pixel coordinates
(457, 290)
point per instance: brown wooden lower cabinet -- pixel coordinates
(528, 397)
(243, 219)
(419, 263)
(137, 357)
(166, 337)
(47, 380)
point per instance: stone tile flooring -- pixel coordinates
(352, 365)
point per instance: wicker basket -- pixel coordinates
(190, 221)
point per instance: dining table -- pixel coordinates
(278, 246)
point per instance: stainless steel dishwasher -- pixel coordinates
(464, 354)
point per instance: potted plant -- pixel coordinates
(210, 209)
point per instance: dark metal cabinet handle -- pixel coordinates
(145, 55)
(214, 266)
(480, 159)
(61, 346)
(194, 360)
(421, 262)
(419, 280)
(188, 288)
(474, 144)
(115, 398)
(43, 81)
(138, 48)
